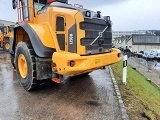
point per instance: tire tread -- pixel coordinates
(34, 83)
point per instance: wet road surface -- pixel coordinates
(157, 67)
(151, 64)
(89, 97)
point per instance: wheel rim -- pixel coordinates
(22, 65)
(7, 46)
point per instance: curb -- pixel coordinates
(120, 101)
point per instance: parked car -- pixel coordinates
(142, 52)
(121, 48)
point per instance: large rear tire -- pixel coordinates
(26, 66)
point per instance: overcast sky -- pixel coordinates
(125, 14)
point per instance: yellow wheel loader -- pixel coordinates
(1, 34)
(54, 39)
(5, 34)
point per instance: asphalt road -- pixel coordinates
(89, 97)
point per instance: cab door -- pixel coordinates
(61, 32)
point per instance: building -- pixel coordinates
(139, 42)
(122, 41)
(116, 34)
(6, 23)
(144, 42)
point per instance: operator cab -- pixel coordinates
(27, 10)
(40, 4)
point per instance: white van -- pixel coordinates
(148, 54)
(156, 53)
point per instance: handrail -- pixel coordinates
(78, 5)
(21, 13)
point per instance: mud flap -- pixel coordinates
(43, 68)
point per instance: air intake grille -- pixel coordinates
(93, 27)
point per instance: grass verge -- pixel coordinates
(141, 98)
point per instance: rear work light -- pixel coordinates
(71, 63)
(119, 54)
(98, 14)
(88, 14)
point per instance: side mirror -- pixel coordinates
(14, 4)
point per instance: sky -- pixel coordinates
(126, 15)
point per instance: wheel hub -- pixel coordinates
(7, 46)
(22, 66)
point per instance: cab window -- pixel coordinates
(40, 5)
